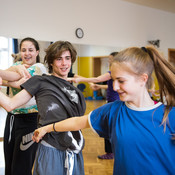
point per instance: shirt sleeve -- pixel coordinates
(37, 69)
(32, 85)
(99, 120)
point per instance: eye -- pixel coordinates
(58, 59)
(30, 50)
(121, 81)
(23, 50)
(68, 58)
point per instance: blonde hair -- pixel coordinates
(146, 60)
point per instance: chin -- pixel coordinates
(123, 98)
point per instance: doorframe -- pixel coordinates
(171, 52)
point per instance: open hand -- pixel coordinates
(22, 70)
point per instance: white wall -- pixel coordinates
(105, 22)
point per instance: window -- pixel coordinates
(6, 60)
(6, 49)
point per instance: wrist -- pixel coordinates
(53, 127)
(49, 128)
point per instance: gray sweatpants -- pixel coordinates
(51, 161)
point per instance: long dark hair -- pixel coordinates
(35, 43)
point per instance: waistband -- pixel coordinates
(46, 144)
(32, 115)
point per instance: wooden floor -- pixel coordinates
(94, 146)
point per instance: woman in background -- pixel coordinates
(19, 149)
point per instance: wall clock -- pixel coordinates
(79, 33)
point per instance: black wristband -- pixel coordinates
(54, 127)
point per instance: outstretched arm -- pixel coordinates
(96, 87)
(98, 79)
(15, 84)
(21, 69)
(14, 76)
(9, 75)
(71, 124)
(11, 103)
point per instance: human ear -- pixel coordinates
(37, 52)
(144, 79)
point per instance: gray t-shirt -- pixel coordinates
(57, 100)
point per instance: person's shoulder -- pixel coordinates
(117, 103)
(39, 68)
(38, 64)
(112, 106)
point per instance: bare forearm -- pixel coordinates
(102, 86)
(21, 70)
(101, 78)
(15, 84)
(92, 79)
(6, 102)
(11, 103)
(71, 124)
(9, 75)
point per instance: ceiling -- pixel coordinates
(165, 5)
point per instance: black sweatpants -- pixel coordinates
(19, 149)
(108, 147)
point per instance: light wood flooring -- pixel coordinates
(94, 146)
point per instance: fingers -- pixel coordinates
(38, 134)
(22, 70)
(26, 66)
(35, 137)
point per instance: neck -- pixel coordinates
(143, 100)
(62, 77)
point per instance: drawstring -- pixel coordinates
(11, 126)
(69, 162)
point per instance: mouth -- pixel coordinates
(64, 69)
(121, 93)
(27, 58)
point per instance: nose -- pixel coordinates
(63, 61)
(26, 52)
(115, 85)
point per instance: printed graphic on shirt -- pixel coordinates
(53, 106)
(72, 93)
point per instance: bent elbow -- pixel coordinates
(8, 108)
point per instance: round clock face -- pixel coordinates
(79, 33)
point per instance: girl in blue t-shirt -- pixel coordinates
(142, 133)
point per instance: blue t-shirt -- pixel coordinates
(140, 145)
